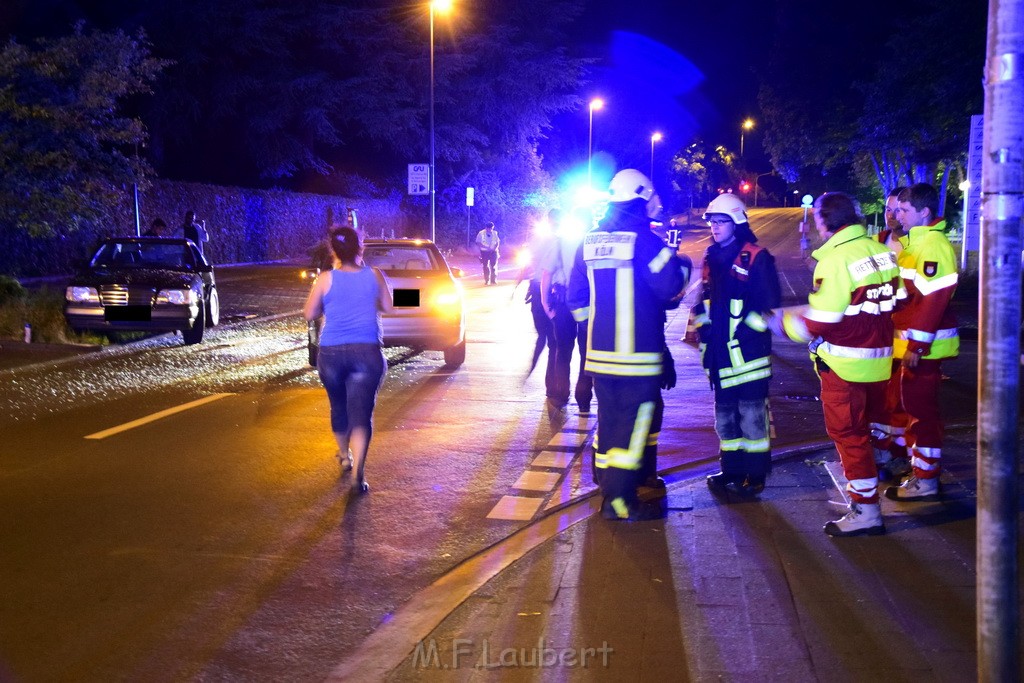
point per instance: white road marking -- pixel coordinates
(785, 279)
(518, 508)
(555, 459)
(574, 434)
(532, 480)
(572, 439)
(156, 416)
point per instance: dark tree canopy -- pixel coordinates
(66, 149)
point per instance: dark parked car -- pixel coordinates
(152, 284)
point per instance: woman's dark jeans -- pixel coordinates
(352, 374)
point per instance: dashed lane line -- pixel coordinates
(559, 454)
(156, 416)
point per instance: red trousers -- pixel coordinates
(919, 394)
(850, 408)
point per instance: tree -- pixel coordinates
(906, 117)
(915, 125)
(66, 148)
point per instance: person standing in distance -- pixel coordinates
(488, 242)
(194, 230)
(623, 278)
(926, 334)
(351, 298)
(848, 322)
(740, 291)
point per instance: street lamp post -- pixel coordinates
(595, 104)
(655, 137)
(757, 187)
(442, 6)
(748, 124)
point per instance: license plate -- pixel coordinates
(407, 298)
(128, 314)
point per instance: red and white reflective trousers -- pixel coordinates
(919, 393)
(850, 408)
(889, 433)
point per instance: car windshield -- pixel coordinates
(391, 257)
(130, 254)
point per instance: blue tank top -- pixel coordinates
(350, 309)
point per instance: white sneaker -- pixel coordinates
(862, 519)
(345, 462)
(915, 490)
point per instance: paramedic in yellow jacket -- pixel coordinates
(848, 322)
(926, 334)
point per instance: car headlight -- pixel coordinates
(80, 295)
(180, 297)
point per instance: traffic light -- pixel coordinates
(744, 186)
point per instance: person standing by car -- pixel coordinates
(740, 290)
(351, 364)
(488, 242)
(193, 230)
(158, 228)
(623, 278)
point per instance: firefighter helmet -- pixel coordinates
(629, 184)
(729, 205)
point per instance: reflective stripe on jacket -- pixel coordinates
(925, 322)
(856, 287)
(622, 279)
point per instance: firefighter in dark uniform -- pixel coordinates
(622, 280)
(741, 287)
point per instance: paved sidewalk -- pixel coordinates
(743, 591)
(725, 589)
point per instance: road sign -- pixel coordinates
(972, 197)
(469, 196)
(419, 179)
(807, 201)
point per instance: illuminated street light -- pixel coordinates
(442, 6)
(595, 104)
(655, 137)
(748, 125)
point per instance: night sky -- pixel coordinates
(689, 69)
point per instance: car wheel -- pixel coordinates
(213, 308)
(195, 335)
(454, 356)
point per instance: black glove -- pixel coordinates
(668, 370)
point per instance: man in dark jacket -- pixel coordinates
(741, 287)
(623, 278)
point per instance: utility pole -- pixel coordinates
(1002, 206)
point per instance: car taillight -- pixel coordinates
(80, 295)
(449, 297)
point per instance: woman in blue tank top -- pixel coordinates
(351, 298)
